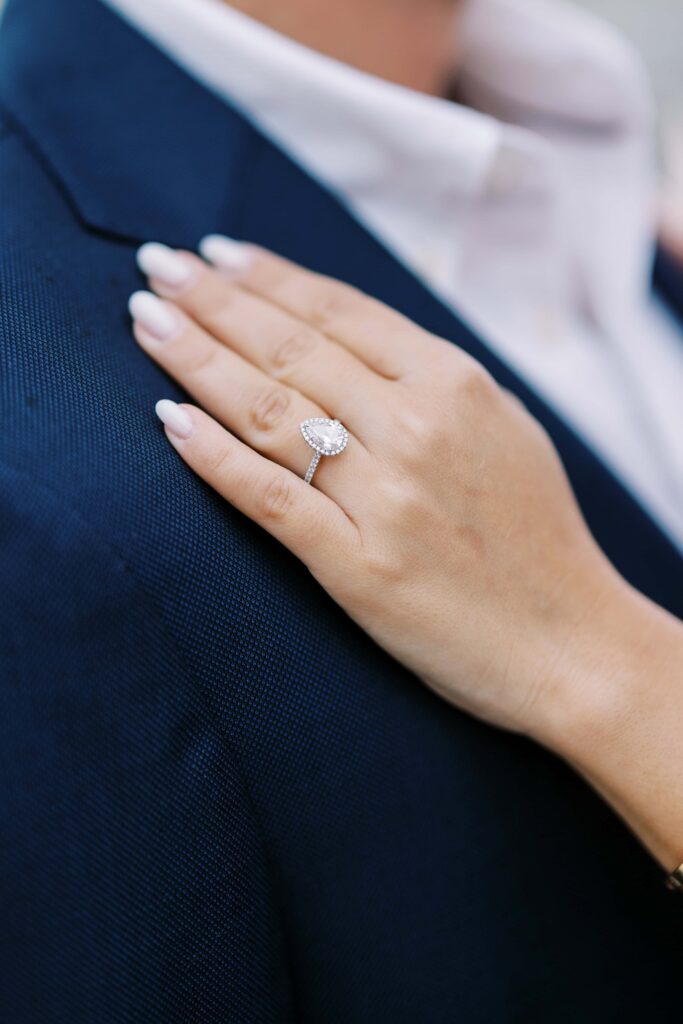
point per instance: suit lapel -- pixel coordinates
(143, 152)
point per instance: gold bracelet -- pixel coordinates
(675, 880)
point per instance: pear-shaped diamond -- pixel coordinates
(328, 437)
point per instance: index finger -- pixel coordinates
(389, 343)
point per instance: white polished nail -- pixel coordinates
(153, 314)
(225, 253)
(167, 265)
(175, 419)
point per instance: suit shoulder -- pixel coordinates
(44, 545)
(6, 128)
(70, 602)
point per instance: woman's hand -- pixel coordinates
(446, 528)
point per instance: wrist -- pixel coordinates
(617, 715)
(585, 664)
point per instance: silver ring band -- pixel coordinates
(312, 468)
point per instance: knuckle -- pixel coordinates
(294, 348)
(514, 401)
(269, 408)
(402, 501)
(275, 498)
(331, 305)
(418, 431)
(218, 460)
(475, 382)
(382, 565)
(198, 357)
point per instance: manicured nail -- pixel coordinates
(175, 419)
(225, 253)
(169, 266)
(153, 314)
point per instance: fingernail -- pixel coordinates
(169, 266)
(225, 253)
(153, 314)
(175, 419)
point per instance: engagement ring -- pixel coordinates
(326, 437)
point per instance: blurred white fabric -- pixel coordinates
(656, 27)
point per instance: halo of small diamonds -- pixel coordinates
(327, 437)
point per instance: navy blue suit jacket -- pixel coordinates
(219, 800)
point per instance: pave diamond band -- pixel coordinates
(325, 437)
(312, 468)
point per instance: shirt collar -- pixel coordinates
(548, 62)
(297, 95)
(555, 108)
(525, 61)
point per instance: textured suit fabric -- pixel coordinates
(219, 800)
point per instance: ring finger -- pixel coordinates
(263, 412)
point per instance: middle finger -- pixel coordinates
(285, 347)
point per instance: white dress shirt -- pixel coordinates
(529, 209)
